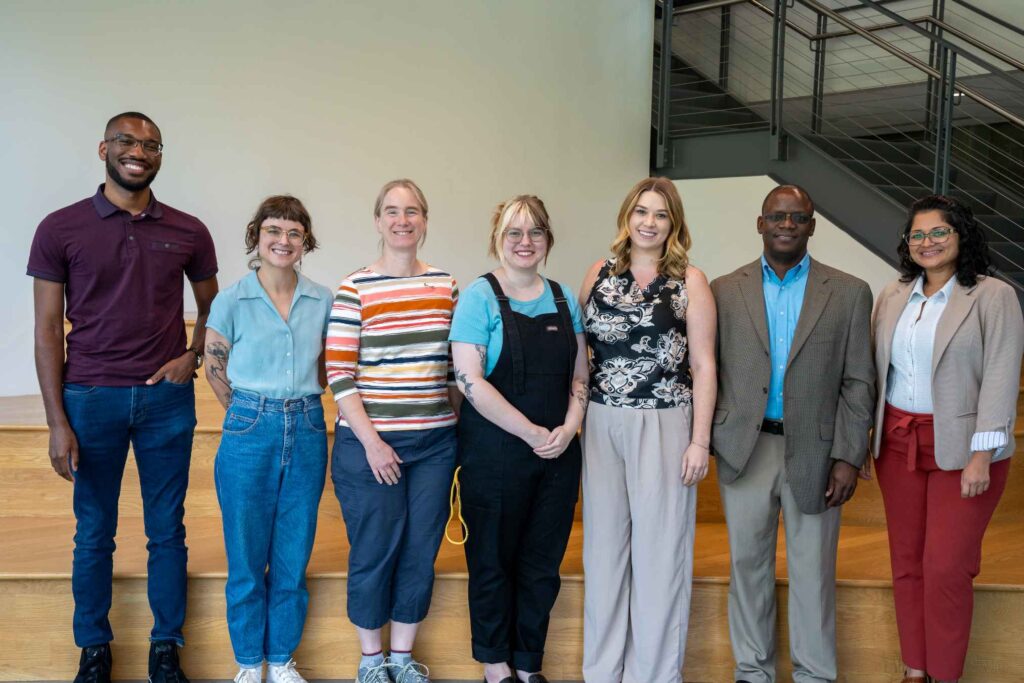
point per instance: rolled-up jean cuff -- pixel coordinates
(278, 660)
(249, 662)
(180, 642)
(490, 655)
(409, 617)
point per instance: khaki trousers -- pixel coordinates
(638, 526)
(752, 504)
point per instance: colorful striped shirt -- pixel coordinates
(387, 340)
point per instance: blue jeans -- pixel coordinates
(158, 422)
(269, 472)
(394, 531)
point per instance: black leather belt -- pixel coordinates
(772, 427)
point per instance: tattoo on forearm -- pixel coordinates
(582, 394)
(217, 366)
(464, 384)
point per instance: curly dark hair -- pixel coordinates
(973, 258)
(285, 207)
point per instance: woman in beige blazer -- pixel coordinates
(948, 344)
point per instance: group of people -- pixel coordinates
(780, 369)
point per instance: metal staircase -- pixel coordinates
(869, 105)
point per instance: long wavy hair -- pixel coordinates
(973, 258)
(674, 259)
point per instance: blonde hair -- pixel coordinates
(674, 260)
(527, 205)
(401, 182)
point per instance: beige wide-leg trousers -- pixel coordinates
(638, 526)
(752, 504)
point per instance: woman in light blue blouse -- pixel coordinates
(264, 351)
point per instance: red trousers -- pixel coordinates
(934, 541)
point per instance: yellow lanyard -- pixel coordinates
(455, 500)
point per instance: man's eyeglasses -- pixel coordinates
(515, 235)
(127, 142)
(936, 235)
(275, 233)
(780, 217)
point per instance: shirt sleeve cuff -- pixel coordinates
(989, 441)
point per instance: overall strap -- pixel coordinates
(508, 322)
(563, 310)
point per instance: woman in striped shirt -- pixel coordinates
(394, 449)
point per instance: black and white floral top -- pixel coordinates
(637, 339)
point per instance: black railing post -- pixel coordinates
(777, 137)
(724, 40)
(931, 98)
(943, 131)
(818, 95)
(664, 85)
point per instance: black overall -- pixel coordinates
(519, 507)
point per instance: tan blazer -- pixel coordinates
(829, 388)
(975, 364)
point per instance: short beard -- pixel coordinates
(131, 186)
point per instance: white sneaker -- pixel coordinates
(284, 673)
(254, 675)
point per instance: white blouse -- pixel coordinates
(909, 383)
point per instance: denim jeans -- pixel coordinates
(158, 422)
(270, 472)
(394, 531)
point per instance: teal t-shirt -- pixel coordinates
(477, 318)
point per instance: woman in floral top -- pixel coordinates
(650, 323)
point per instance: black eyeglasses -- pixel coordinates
(127, 142)
(798, 218)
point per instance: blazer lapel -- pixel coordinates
(752, 289)
(887, 321)
(816, 295)
(961, 300)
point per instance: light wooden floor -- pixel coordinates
(36, 528)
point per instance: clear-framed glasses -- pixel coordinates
(127, 142)
(799, 218)
(515, 235)
(936, 235)
(275, 233)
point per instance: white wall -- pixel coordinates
(476, 100)
(722, 216)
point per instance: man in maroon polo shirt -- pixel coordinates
(116, 261)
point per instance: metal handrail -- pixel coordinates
(854, 29)
(991, 17)
(912, 61)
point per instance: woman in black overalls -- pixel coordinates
(520, 360)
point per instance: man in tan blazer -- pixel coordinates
(796, 393)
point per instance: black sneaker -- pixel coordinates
(94, 665)
(163, 663)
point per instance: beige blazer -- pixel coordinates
(828, 390)
(976, 361)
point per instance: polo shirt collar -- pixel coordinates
(105, 208)
(250, 288)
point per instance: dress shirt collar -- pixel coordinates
(250, 288)
(797, 271)
(941, 296)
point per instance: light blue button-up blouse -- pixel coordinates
(269, 356)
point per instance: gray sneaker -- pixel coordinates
(375, 674)
(413, 672)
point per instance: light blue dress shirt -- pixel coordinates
(269, 356)
(782, 302)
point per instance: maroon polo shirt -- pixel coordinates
(123, 284)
